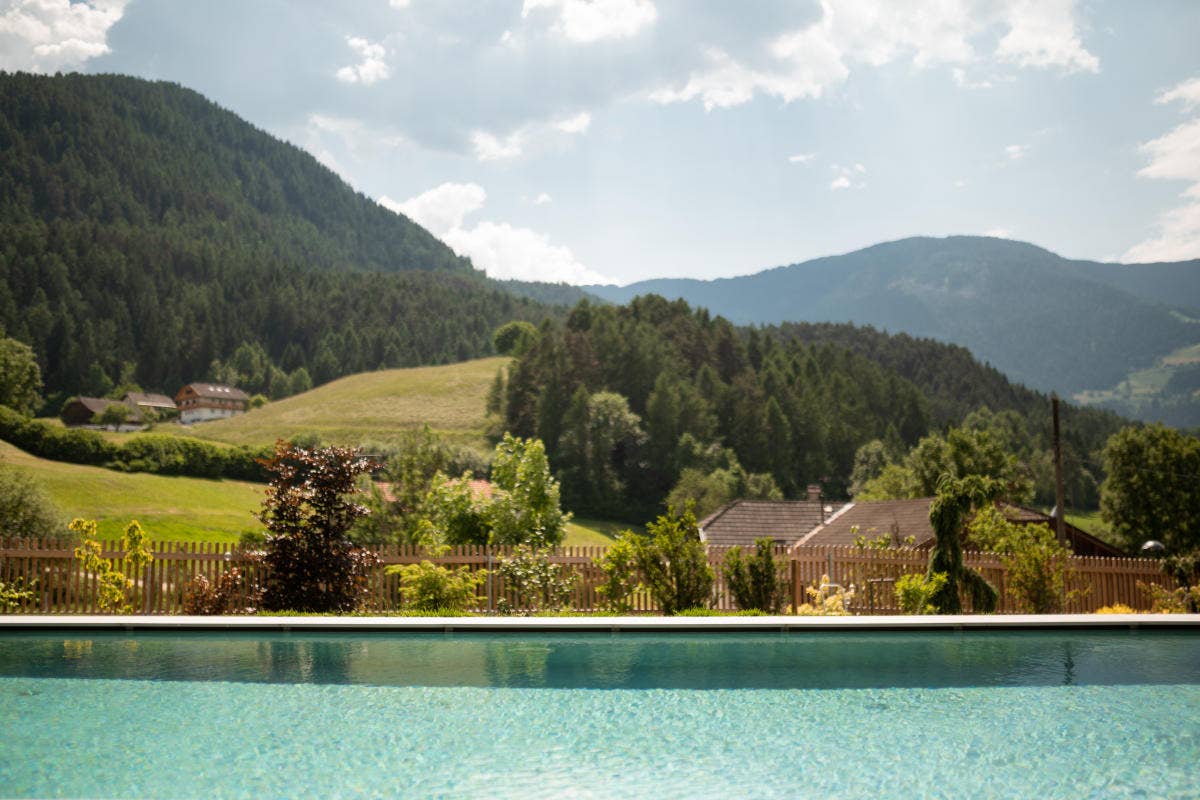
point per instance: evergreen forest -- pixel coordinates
(656, 400)
(146, 234)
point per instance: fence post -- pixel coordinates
(795, 584)
(491, 583)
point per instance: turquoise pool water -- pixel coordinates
(627, 715)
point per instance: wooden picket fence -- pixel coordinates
(60, 586)
(1094, 582)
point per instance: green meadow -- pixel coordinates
(169, 508)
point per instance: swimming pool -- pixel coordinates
(955, 714)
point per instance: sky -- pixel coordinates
(610, 141)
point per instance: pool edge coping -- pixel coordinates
(9, 623)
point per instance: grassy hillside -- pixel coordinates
(1168, 391)
(371, 407)
(169, 508)
(184, 509)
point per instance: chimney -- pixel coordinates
(814, 493)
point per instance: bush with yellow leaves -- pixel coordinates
(826, 600)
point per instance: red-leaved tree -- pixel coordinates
(308, 510)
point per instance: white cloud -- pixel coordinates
(498, 248)
(371, 67)
(542, 199)
(1175, 156)
(399, 4)
(1043, 33)
(52, 35)
(576, 124)
(848, 177)
(490, 147)
(808, 62)
(1187, 92)
(586, 21)
(441, 209)
(960, 184)
(801, 158)
(1177, 239)
(999, 233)
(503, 251)
(1015, 152)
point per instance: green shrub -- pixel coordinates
(157, 453)
(915, 593)
(754, 582)
(429, 587)
(538, 583)
(619, 565)
(115, 589)
(673, 563)
(12, 595)
(26, 510)
(1038, 567)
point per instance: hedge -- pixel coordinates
(151, 452)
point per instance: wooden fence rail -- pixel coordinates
(60, 586)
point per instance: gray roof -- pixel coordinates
(94, 404)
(873, 518)
(743, 521)
(149, 399)
(904, 518)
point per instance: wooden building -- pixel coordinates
(198, 402)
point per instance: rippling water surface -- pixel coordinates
(598, 715)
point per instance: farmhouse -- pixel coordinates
(198, 402)
(80, 412)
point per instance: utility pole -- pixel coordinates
(1060, 506)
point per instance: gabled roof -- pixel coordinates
(96, 405)
(149, 399)
(900, 518)
(743, 521)
(215, 391)
(904, 518)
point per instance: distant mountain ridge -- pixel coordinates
(1046, 321)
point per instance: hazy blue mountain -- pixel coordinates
(1046, 321)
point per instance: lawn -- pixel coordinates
(186, 509)
(169, 508)
(1091, 522)
(593, 532)
(368, 408)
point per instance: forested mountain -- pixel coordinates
(952, 380)
(145, 233)
(1043, 320)
(629, 399)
